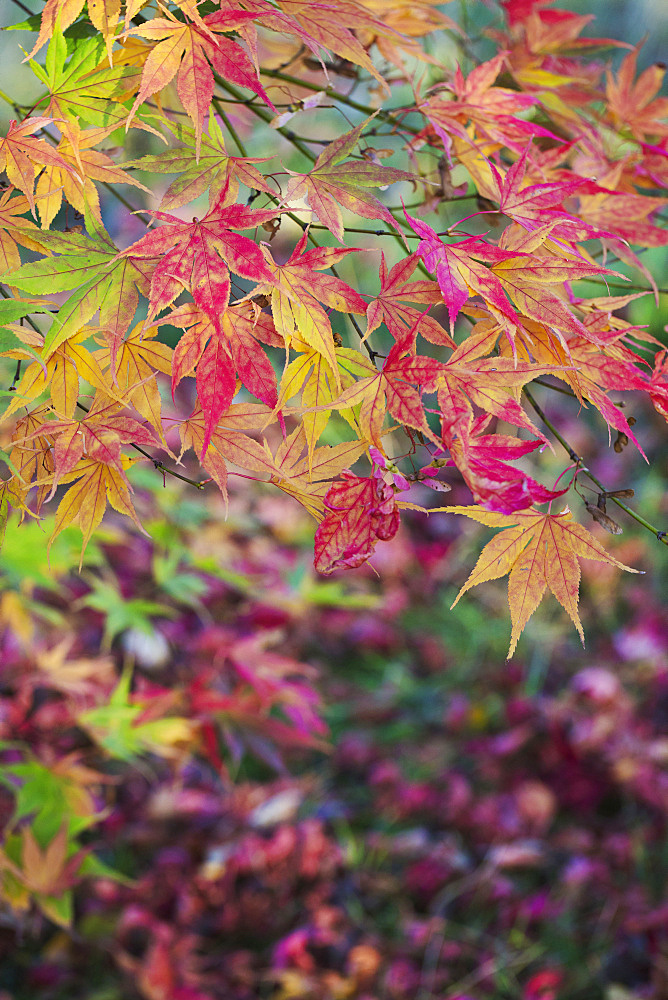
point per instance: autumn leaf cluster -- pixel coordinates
(357, 309)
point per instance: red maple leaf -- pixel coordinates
(360, 512)
(483, 459)
(199, 255)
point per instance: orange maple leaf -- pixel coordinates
(23, 154)
(538, 551)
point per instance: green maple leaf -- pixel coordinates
(80, 83)
(116, 726)
(122, 614)
(88, 266)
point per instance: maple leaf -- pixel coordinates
(103, 281)
(391, 390)
(85, 502)
(310, 374)
(215, 170)
(309, 479)
(658, 390)
(219, 353)
(241, 328)
(489, 382)
(14, 230)
(45, 875)
(329, 23)
(77, 153)
(524, 278)
(98, 436)
(633, 106)
(227, 442)
(122, 728)
(459, 273)
(389, 306)
(587, 369)
(493, 110)
(299, 293)
(31, 455)
(60, 375)
(22, 155)
(624, 213)
(482, 460)
(533, 205)
(188, 50)
(216, 384)
(410, 23)
(359, 512)
(133, 363)
(331, 183)
(199, 255)
(538, 551)
(78, 87)
(60, 14)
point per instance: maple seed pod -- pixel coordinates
(619, 494)
(271, 227)
(603, 519)
(620, 443)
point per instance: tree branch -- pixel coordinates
(662, 536)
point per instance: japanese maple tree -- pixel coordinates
(370, 245)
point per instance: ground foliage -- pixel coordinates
(520, 185)
(227, 784)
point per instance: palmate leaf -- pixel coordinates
(390, 305)
(332, 183)
(85, 502)
(488, 381)
(483, 461)
(301, 294)
(191, 51)
(532, 205)
(101, 280)
(133, 362)
(122, 728)
(330, 24)
(104, 14)
(23, 154)
(14, 230)
(200, 254)
(495, 111)
(391, 390)
(76, 149)
(81, 84)
(60, 375)
(213, 171)
(539, 551)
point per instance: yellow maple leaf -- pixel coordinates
(537, 551)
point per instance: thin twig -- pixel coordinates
(158, 465)
(662, 536)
